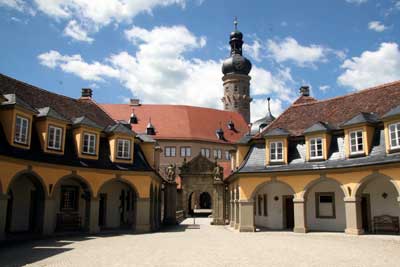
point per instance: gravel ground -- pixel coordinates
(205, 245)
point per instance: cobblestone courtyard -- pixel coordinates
(205, 245)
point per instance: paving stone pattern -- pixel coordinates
(205, 245)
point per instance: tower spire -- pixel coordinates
(269, 107)
(235, 22)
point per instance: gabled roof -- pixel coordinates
(177, 122)
(318, 127)
(336, 111)
(393, 112)
(65, 106)
(363, 117)
(50, 113)
(277, 132)
(119, 128)
(83, 120)
(14, 100)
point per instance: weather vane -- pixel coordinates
(235, 21)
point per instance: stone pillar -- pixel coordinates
(236, 214)
(353, 216)
(246, 215)
(94, 216)
(170, 203)
(143, 224)
(3, 215)
(300, 221)
(232, 213)
(218, 204)
(49, 216)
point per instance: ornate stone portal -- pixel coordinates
(203, 188)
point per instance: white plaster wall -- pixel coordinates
(274, 218)
(21, 189)
(337, 224)
(82, 202)
(380, 205)
(113, 191)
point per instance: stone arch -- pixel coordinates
(258, 187)
(121, 180)
(376, 175)
(26, 192)
(324, 205)
(315, 182)
(38, 180)
(75, 177)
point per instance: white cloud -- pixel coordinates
(324, 88)
(161, 72)
(290, 50)
(358, 2)
(74, 64)
(14, 4)
(253, 50)
(76, 32)
(90, 16)
(376, 26)
(372, 67)
(259, 108)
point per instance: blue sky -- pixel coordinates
(170, 51)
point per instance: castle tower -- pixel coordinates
(236, 79)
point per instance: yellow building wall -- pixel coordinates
(51, 174)
(241, 153)
(348, 179)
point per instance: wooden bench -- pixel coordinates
(68, 221)
(386, 224)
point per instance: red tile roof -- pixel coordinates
(178, 122)
(306, 111)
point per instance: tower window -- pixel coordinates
(236, 88)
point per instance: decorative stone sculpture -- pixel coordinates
(218, 172)
(171, 172)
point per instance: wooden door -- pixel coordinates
(289, 212)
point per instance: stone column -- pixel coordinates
(49, 216)
(246, 215)
(143, 224)
(353, 216)
(236, 214)
(232, 213)
(170, 203)
(300, 221)
(218, 204)
(3, 215)
(94, 216)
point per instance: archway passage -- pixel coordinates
(378, 199)
(325, 210)
(205, 201)
(192, 203)
(117, 205)
(72, 196)
(273, 207)
(25, 207)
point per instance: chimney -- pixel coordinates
(86, 93)
(305, 90)
(135, 102)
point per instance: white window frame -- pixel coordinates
(273, 151)
(354, 142)
(205, 152)
(125, 151)
(394, 142)
(217, 154)
(20, 132)
(170, 151)
(54, 131)
(186, 151)
(91, 143)
(227, 155)
(314, 146)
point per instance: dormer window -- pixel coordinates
(316, 148)
(124, 149)
(21, 130)
(55, 137)
(394, 133)
(356, 142)
(276, 151)
(89, 143)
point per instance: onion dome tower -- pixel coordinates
(236, 79)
